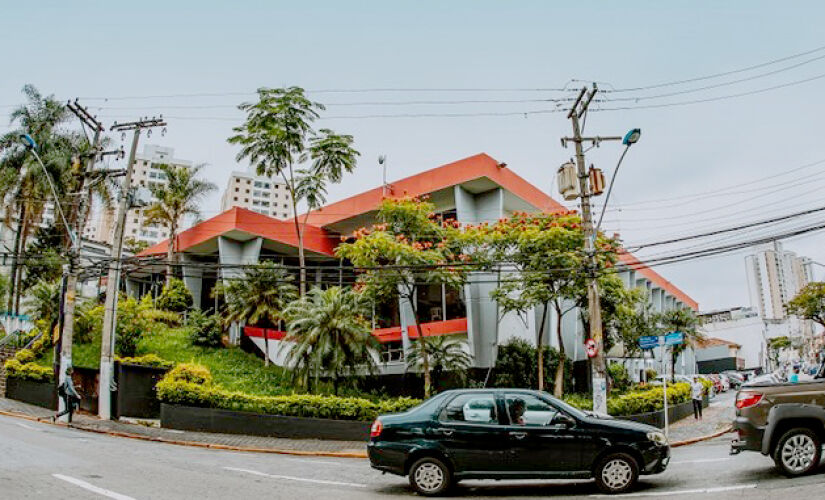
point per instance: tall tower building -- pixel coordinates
(259, 194)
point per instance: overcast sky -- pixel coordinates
(680, 179)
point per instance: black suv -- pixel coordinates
(512, 434)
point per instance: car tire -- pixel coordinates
(797, 452)
(616, 473)
(430, 477)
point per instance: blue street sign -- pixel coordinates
(674, 338)
(648, 342)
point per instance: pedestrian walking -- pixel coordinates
(696, 392)
(71, 399)
(794, 378)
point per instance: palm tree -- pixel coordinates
(174, 200)
(685, 321)
(445, 354)
(258, 297)
(277, 137)
(329, 332)
(43, 303)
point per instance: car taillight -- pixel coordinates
(376, 428)
(747, 399)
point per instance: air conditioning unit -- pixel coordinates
(567, 181)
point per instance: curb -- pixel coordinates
(686, 442)
(193, 444)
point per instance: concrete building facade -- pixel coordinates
(259, 194)
(474, 190)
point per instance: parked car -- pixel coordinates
(512, 434)
(717, 383)
(726, 385)
(768, 378)
(784, 421)
(736, 378)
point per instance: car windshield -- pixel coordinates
(570, 410)
(430, 405)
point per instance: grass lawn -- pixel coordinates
(232, 368)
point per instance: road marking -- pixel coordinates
(701, 461)
(293, 478)
(28, 427)
(681, 492)
(92, 488)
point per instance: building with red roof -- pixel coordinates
(472, 190)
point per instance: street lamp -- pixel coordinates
(629, 139)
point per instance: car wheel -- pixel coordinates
(797, 452)
(617, 473)
(430, 477)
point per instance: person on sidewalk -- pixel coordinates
(71, 399)
(794, 378)
(696, 392)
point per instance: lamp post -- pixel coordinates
(629, 139)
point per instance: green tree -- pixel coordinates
(134, 246)
(177, 198)
(44, 257)
(43, 303)
(685, 321)
(544, 269)
(259, 297)
(329, 333)
(444, 354)
(277, 138)
(775, 347)
(809, 303)
(409, 249)
(175, 296)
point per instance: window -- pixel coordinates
(246, 200)
(391, 352)
(247, 191)
(286, 206)
(234, 198)
(527, 409)
(479, 408)
(257, 193)
(236, 190)
(258, 184)
(276, 195)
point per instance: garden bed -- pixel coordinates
(191, 418)
(657, 418)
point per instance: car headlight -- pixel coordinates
(657, 437)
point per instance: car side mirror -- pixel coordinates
(564, 421)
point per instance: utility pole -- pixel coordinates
(598, 364)
(71, 270)
(107, 343)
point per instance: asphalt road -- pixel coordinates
(39, 461)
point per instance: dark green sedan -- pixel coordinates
(512, 434)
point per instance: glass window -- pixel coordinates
(479, 408)
(527, 409)
(454, 300)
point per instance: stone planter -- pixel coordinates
(657, 418)
(136, 396)
(235, 422)
(33, 392)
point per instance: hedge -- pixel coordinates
(30, 371)
(191, 385)
(150, 360)
(635, 402)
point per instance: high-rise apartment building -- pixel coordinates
(775, 276)
(259, 194)
(145, 174)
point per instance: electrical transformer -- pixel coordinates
(567, 181)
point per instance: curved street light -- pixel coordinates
(629, 139)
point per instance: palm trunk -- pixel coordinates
(20, 255)
(558, 384)
(302, 273)
(170, 252)
(14, 266)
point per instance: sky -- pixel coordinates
(698, 167)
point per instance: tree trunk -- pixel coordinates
(540, 349)
(422, 347)
(266, 348)
(170, 252)
(558, 384)
(14, 267)
(20, 254)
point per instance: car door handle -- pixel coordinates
(518, 435)
(446, 432)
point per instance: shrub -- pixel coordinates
(29, 371)
(24, 356)
(151, 360)
(131, 324)
(168, 318)
(619, 375)
(191, 385)
(636, 402)
(517, 363)
(175, 297)
(708, 386)
(651, 374)
(204, 329)
(88, 321)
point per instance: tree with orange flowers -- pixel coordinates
(411, 247)
(543, 263)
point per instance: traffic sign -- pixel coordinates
(590, 348)
(674, 338)
(648, 341)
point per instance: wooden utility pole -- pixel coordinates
(107, 344)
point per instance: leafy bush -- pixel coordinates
(707, 385)
(131, 324)
(168, 318)
(636, 402)
(517, 362)
(88, 321)
(24, 356)
(204, 329)
(29, 371)
(651, 374)
(619, 375)
(175, 297)
(151, 360)
(190, 384)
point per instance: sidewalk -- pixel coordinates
(715, 418)
(241, 442)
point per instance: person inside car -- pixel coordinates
(517, 408)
